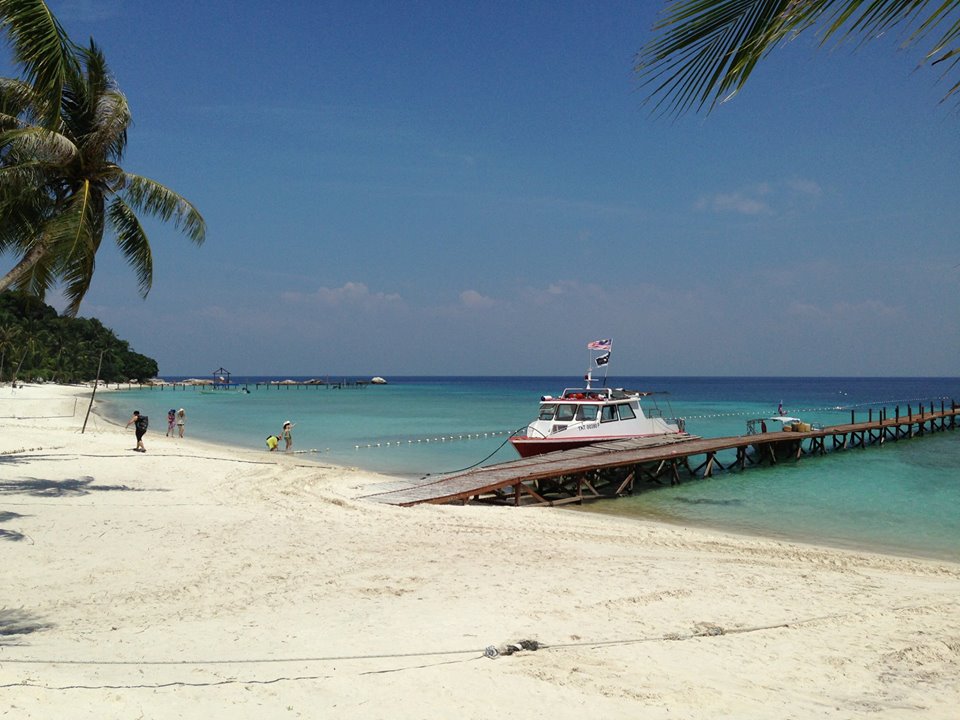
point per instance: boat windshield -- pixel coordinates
(566, 412)
(587, 412)
(546, 411)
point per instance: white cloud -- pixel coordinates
(761, 199)
(845, 313)
(352, 294)
(805, 187)
(736, 203)
(473, 299)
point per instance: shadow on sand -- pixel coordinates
(18, 458)
(11, 535)
(71, 487)
(14, 624)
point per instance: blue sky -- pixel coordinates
(443, 188)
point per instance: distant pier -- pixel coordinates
(615, 468)
(208, 387)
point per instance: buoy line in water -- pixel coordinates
(744, 413)
(434, 439)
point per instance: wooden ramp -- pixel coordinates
(610, 469)
(494, 479)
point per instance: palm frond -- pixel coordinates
(73, 237)
(708, 49)
(704, 50)
(132, 241)
(19, 102)
(95, 109)
(35, 144)
(42, 48)
(149, 196)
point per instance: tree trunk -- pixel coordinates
(19, 365)
(23, 267)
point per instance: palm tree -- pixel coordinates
(29, 347)
(706, 49)
(62, 188)
(8, 338)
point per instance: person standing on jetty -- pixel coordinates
(140, 423)
(287, 435)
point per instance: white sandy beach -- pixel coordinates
(196, 581)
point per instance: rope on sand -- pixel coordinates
(700, 630)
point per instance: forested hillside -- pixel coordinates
(37, 344)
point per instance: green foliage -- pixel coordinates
(703, 51)
(63, 132)
(35, 342)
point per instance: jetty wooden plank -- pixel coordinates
(561, 477)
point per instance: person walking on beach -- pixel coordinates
(171, 421)
(181, 420)
(140, 423)
(287, 435)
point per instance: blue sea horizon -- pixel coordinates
(900, 498)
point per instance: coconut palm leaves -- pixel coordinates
(706, 49)
(62, 187)
(42, 48)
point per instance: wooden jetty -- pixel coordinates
(611, 469)
(235, 386)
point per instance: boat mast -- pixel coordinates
(603, 346)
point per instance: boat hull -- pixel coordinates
(529, 447)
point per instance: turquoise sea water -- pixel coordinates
(903, 497)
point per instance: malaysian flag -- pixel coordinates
(600, 345)
(602, 359)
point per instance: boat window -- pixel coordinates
(587, 412)
(609, 413)
(626, 412)
(566, 412)
(546, 412)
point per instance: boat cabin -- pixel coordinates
(592, 404)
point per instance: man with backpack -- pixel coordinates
(140, 423)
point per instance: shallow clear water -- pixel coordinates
(902, 497)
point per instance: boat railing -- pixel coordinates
(584, 394)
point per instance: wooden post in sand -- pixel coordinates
(95, 384)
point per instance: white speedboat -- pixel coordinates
(587, 415)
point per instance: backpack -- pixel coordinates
(142, 422)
